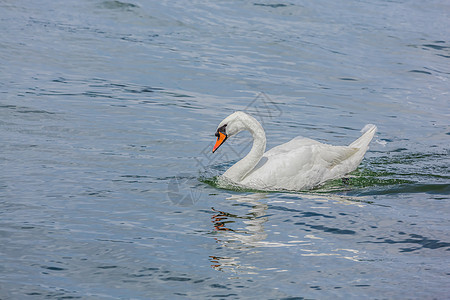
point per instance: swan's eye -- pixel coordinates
(221, 129)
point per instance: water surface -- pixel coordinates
(107, 117)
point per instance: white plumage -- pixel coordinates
(299, 164)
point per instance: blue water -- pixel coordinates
(107, 117)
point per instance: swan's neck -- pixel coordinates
(243, 167)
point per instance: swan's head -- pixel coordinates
(231, 125)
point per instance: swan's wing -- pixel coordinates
(327, 154)
(303, 155)
(335, 155)
(293, 145)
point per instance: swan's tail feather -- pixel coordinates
(364, 140)
(356, 150)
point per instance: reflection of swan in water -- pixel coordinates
(242, 238)
(248, 240)
(253, 235)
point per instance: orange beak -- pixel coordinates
(221, 138)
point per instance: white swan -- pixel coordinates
(300, 164)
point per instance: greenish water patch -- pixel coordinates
(214, 182)
(359, 180)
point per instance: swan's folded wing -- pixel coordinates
(293, 145)
(337, 154)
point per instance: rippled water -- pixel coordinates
(107, 117)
